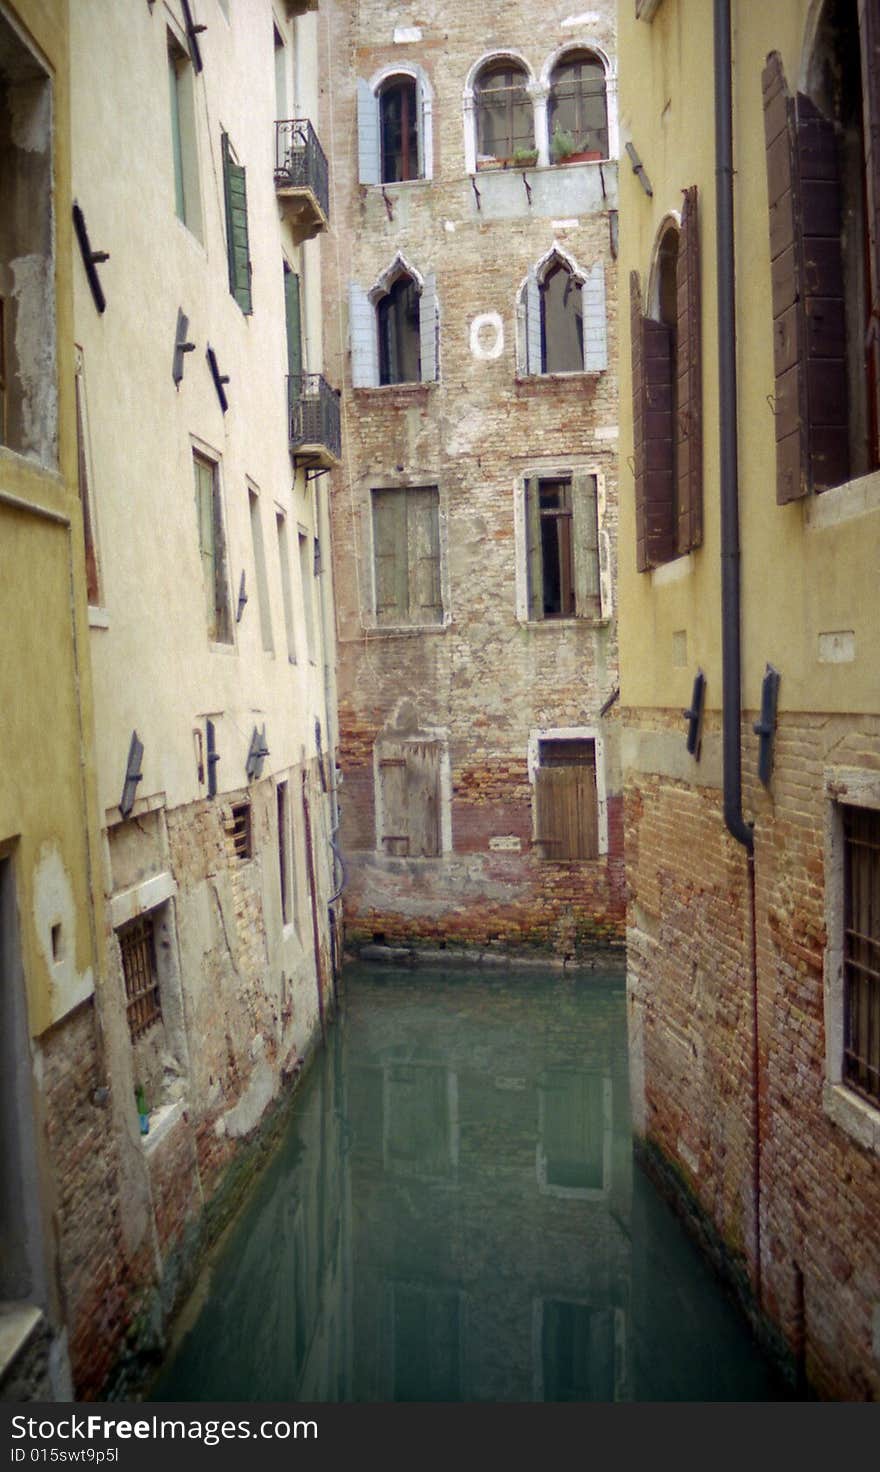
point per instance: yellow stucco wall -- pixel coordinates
(46, 791)
(809, 568)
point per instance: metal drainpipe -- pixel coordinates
(731, 674)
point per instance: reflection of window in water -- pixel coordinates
(574, 1127)
(580, 1351)
(420, 1134)
(425, 1327)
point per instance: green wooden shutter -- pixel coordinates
(235, 191)
(534, 551)
(585, 535)
(423, 552)
(293, 318)
(389, 557)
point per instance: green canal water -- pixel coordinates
(454, 1215)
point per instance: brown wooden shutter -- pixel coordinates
(869, 36)
(567, 812)
(638, 408)
(690, 402)
(809, 326)
(658, 362)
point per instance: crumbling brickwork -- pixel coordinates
(488, 676)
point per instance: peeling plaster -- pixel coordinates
(30, 116)
(54, 905)
(32, 289)
(252, 1105)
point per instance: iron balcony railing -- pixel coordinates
(300, 161)
(313, 408)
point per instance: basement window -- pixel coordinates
(137, 946)
(242, 833)
(566, 806)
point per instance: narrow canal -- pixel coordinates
(454, 1215)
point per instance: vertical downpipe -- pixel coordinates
(730, 547)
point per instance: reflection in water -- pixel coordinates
(454, 1215)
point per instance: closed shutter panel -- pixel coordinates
(593, 309)
(533, 323)
(585, 531)
(394, 837)
(423, 786)
(809, 328)
(606, 605)
(389, 557)
(293, 316)
(364, 338)
(638, 415)
(657, 442)
(568, 812)
(368, 134)
(423, 117)
(423, 547)
(428, 329)
(235, 191)
(690, 411)
(534, 553)
(869, 34)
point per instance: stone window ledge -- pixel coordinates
(18, 1321)
(855, 1116)
(847, 502)
(162, 1122)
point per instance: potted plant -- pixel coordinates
(525, 158)
(561, 145)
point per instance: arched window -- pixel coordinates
(504, 115)
(562, 322)
(577, 111)
(398, 318)
(399, 130)
(561, 317)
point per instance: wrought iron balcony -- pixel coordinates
(302, 181)
(313, 414)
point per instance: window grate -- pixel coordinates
(861, 959)
(138, 946)
(241, 831)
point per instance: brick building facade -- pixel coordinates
(469, 295)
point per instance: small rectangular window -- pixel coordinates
(212, 548)
(142, 1001)
(284, 865)
(406, 553)
(187, 201)
(242, 840)
(861, 951)
(566, 800)
(286, 590)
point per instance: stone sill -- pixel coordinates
(847, 502)
(405, 392)
(571, 622)
(18, 1321)
(162, 1122)
(401, 631)
(854, 1115)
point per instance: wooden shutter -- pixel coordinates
(364, 338)
(567, 812)
(428, 329)
(594, 319)
(869, 36)
(293, 318)
(235, 192)
(658, 361)
(389, 557)
(809, 325)
(638, 416)
(585, 535)
(423, 789)
(423, 554)
(394, 837)
(534, 550)
(533, 323)
(369, 168)
(689, 406)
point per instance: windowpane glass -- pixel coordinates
(399, 118)
(399, 345)
(505, 121)
(577, 105)
(562, 324)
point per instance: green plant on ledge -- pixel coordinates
(525, 158)
(561, 144)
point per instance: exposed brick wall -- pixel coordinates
(485, 680)
(691, 1004)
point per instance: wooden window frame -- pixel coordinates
(580, 92)
(242, 831)
(405, 606)
(563, 737)
(584, 543)
(409, 89)
(515, 94)
(137, 949)
(861, 952)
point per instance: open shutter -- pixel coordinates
(390, 557)
(638, 415)
(423, 550)
(606, 596)
(657, 430)
(593, 310)
(809, 326)
(533, 323)
(690, 412)
(423, 118)
(369, 168)
(585, 533)
(364, 338)
(292, 311)
(237, 247)
(428, 329)
(534, 555)
(423, 798)
(869, 36)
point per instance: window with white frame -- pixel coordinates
(577, 109)
(561, 318)
(563, 546)
(184, 154)
(394, 328)
(394, 113)
(569, 811)
(503, 112)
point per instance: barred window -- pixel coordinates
(143, 1004)
(861, 951)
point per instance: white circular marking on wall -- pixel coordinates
(487, 336)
